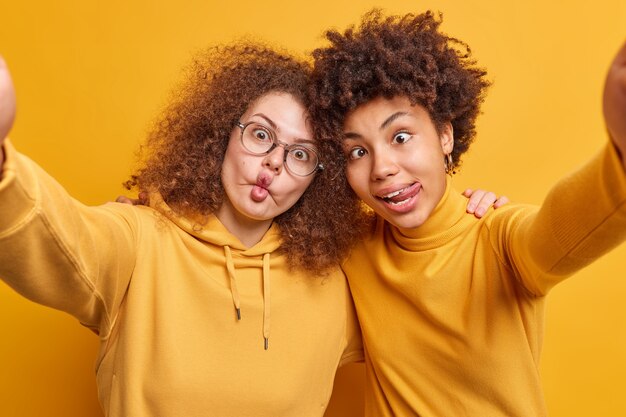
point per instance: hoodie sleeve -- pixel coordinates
(354, 343)
(582, 218)
(60, 253)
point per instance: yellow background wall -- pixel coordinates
(90, 75)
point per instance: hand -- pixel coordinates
(614, 102)
(141, 200)
(480, 201)
(7, 104)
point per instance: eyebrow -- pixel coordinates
(305, 141)
(273, 125)
(387, 122)
(391, 118)
(267, 119)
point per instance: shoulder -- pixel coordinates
(508, 216)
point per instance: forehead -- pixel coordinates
(378, 112)
(283, 111)
(276, 98)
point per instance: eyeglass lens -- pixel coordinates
(259, 139)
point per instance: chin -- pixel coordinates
(407, 224)
(409, 221)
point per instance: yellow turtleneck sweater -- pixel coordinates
(452, 312)
(162, 294)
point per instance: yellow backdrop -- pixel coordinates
(90, 75)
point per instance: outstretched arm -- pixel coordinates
(584, 215)
(7, 106)
(53, 249)
(614, 102)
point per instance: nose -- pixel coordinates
(383, 166)
(275, 159)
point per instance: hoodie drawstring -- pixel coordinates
(233, 283)
(230, 267)
(266, 300)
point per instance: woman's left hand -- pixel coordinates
(614, 102)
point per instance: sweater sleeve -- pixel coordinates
(582, 218)
(60, 253)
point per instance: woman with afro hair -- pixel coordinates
(451, 307)
(224, 296)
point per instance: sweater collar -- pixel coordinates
(209, 229)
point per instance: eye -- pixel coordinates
(357, 153)
(261, 134)
(300, 154)
(401, 137)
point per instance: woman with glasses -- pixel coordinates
(224, 296)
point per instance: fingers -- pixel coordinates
(142, 200)
(7, 100)
(502, 200)
(486, 201)
(614, 102)
(475, 198)
(480, 201)
(125, 200)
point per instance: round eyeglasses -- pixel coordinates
(258, 139)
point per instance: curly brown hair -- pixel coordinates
(399, 56)
(185, 149)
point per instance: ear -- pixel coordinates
(446, 138)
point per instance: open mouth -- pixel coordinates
(396, 198)
(401, 196)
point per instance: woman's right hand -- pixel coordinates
(142, 200)
(7, 105)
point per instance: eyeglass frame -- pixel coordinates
(276, 143)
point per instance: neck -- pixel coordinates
(248, 231)
(447, 212)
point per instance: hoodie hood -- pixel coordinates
(209, 229)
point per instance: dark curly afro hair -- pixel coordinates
(183, 156)
(398, 56)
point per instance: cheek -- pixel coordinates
(427, 166)
(358, 181)
(290, 190)
(303, 186)
(227, 167)
(229, 158)
(437, 187)
(237, 165)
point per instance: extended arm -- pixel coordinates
(53, 249)
(584, 215)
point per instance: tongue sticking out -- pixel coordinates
(403, 195)
(396, 199)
